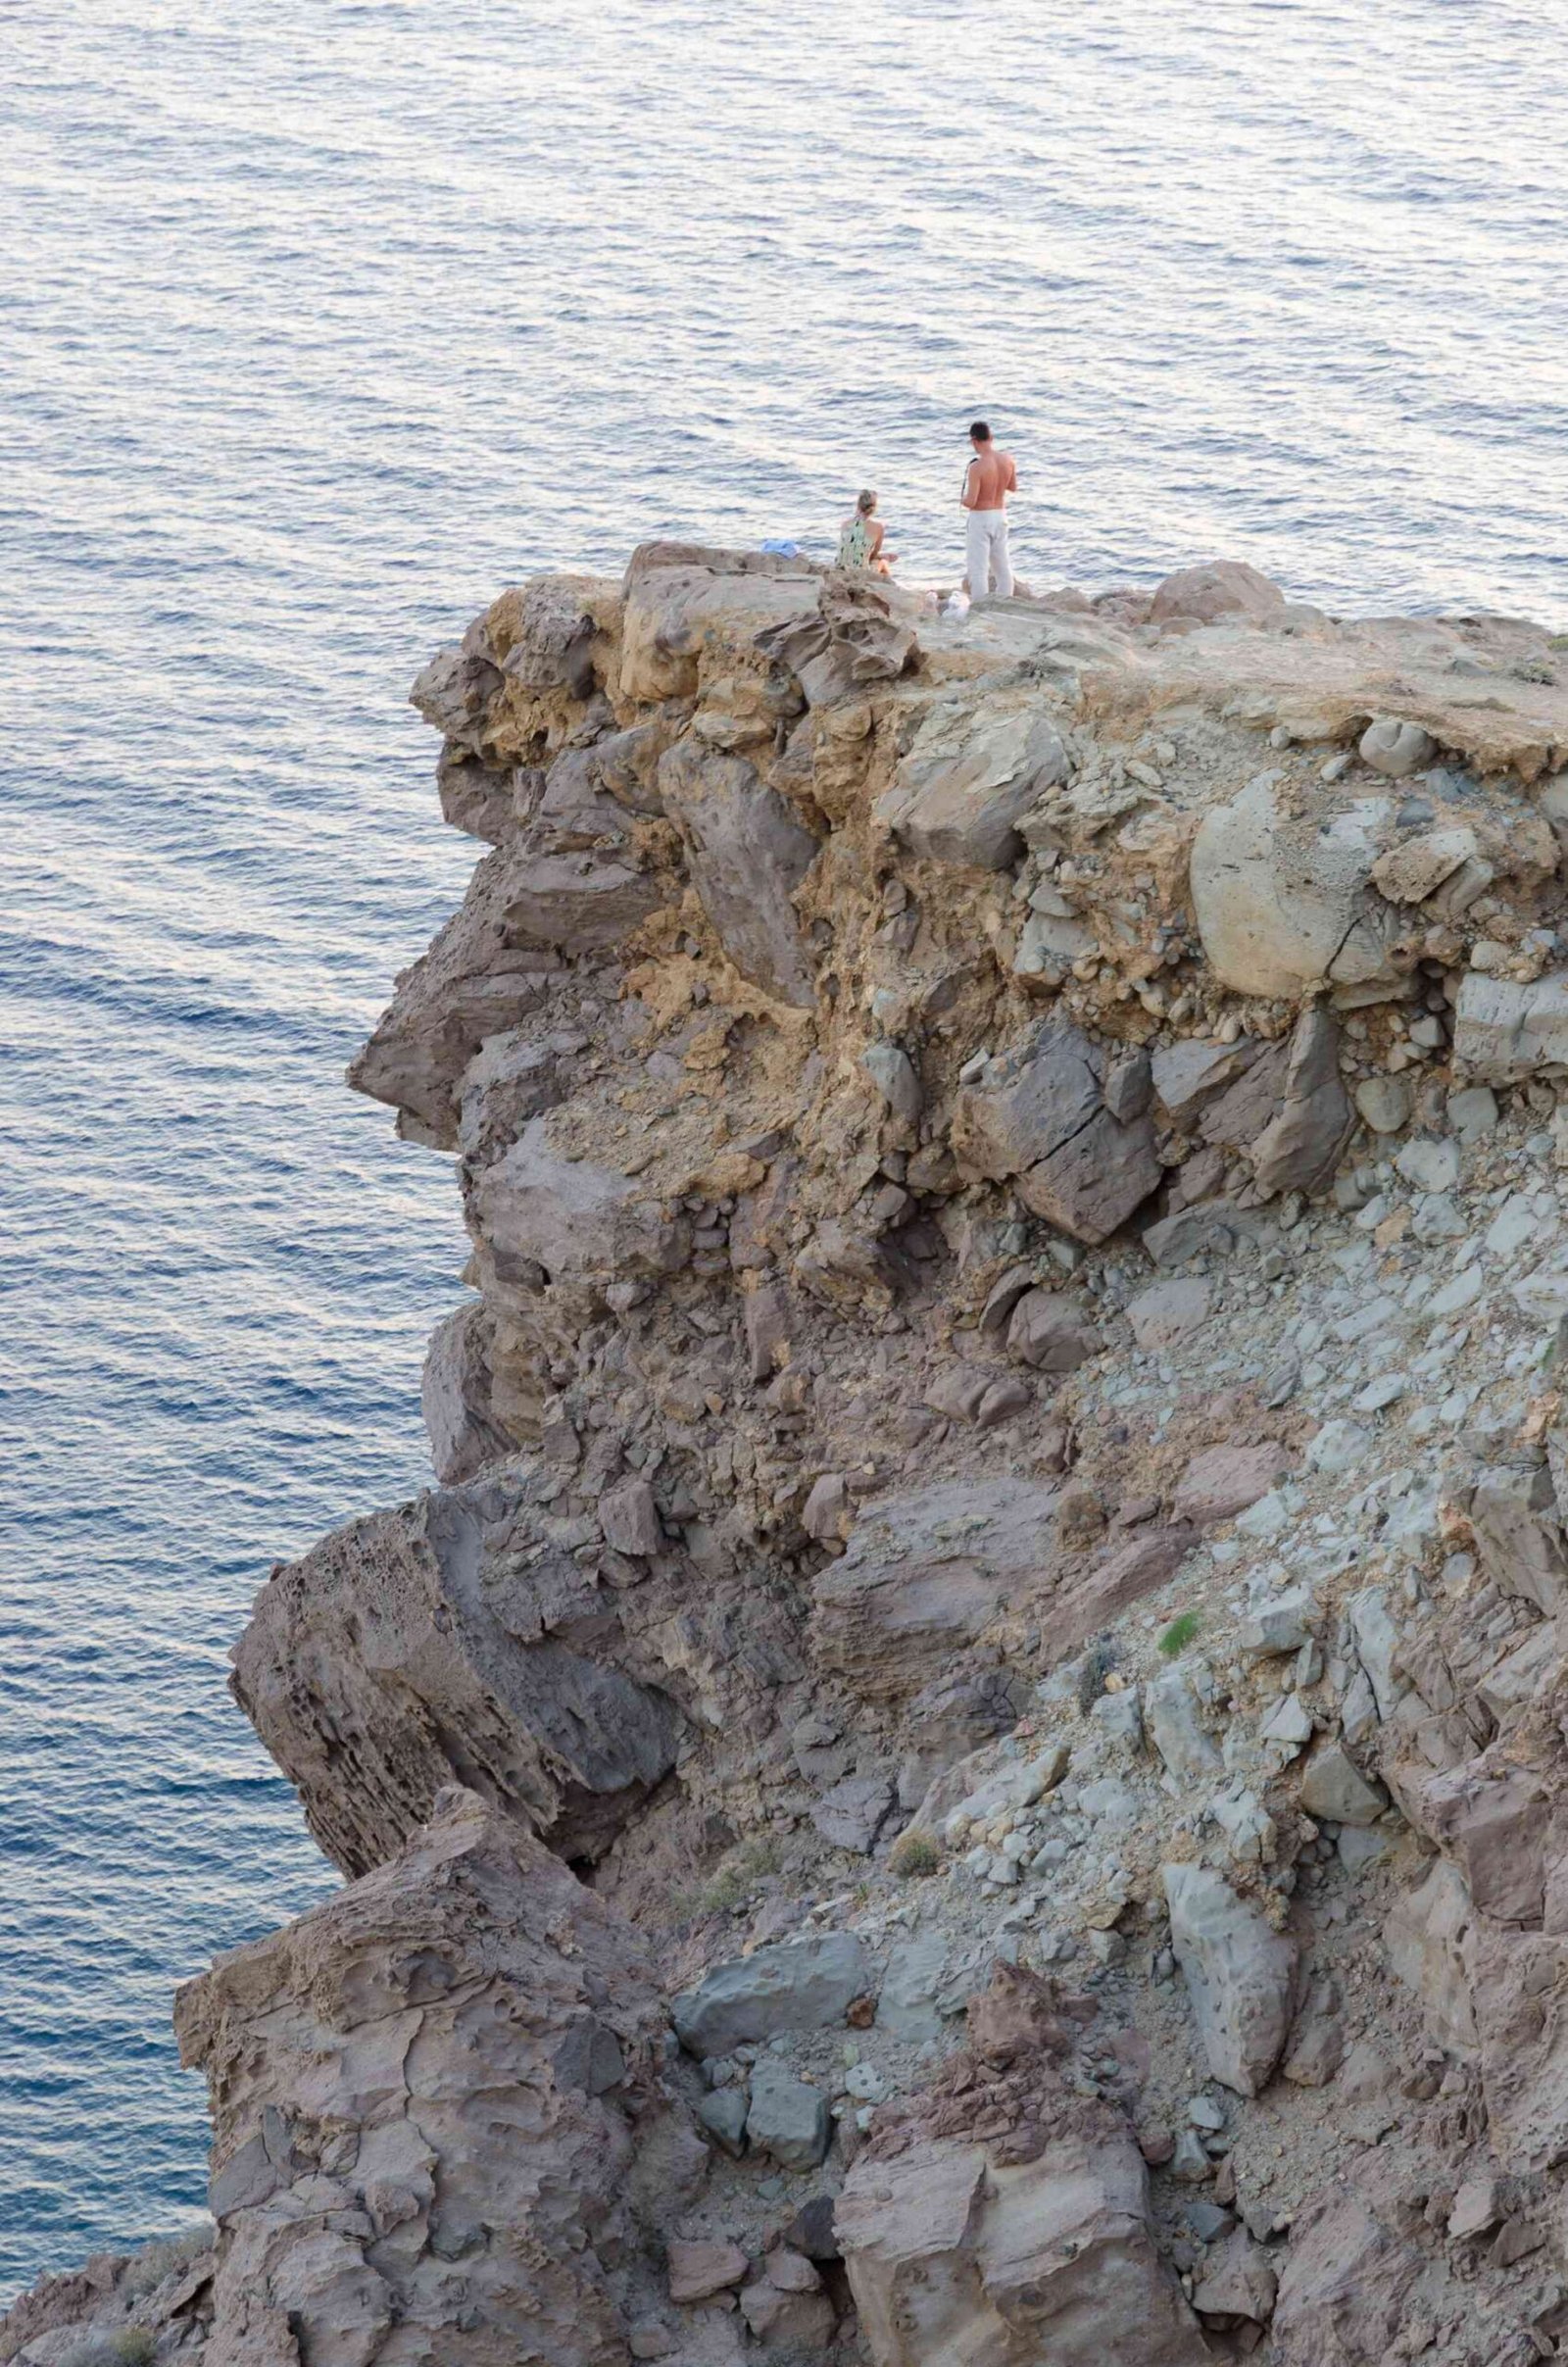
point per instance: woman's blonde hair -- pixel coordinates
(865, 502)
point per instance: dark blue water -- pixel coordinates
(319, 323)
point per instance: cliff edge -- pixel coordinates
(967, 1759)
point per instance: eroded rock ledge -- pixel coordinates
(999, 1481)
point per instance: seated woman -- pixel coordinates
(861, 540)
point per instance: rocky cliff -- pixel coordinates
(968, 1760)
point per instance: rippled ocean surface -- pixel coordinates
(319, 323)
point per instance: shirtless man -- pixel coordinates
(987, 482)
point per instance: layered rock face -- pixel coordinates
(967, 1759)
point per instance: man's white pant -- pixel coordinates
(989, 568)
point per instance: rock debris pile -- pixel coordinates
(969, 1760)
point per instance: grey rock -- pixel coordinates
(971, 776)
(1288, 1722)
(1214, 1229)
(1047, 943)
(1168, 1313)
(1188, 1075)
(589, 2057)
(787, 2118)
(1128, 1086)
(1188, 2159)
(1283, 901)
(475, 797)
(892, 1072)
(1240, 1974)
(1279, 1624)
(629, 1515)
(747, 855)
(723, 2115)
(455, 1395)
(811, 2231)
(1036, 1114)
(1298, 1149)
(1472, 1113)
(1376, 1645)
(853, 1813)
(1505, 1031)
(1385, 1103)
(907, 2008)
(578, 904)
(1430, 1167)
(797, 1984)
(1173, 1726)
(454, 694)
(582, 1223)
(475, 981)
(1396, 748)
(1338, 1447)
(1335, 1790)
(513, 1077)
(1361, 1846)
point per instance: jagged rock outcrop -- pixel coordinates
(429, 2096)
(452, 1640)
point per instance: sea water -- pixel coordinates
(318, 325)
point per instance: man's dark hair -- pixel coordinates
(980, 433)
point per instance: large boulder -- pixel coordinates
(455, 692)
(422, 2142)
(924, 1574)
(747, 855)
(685, 604)
(971, 776)
(797, 1984)
(1240, 1973)
(576, 904)
(954, 2253)
(863, 631)
(541, 633)
(1222, 587)
(455, 1395)
(431, 1644)
(1282, 899)
(1037, 1114)
(580, 1222)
